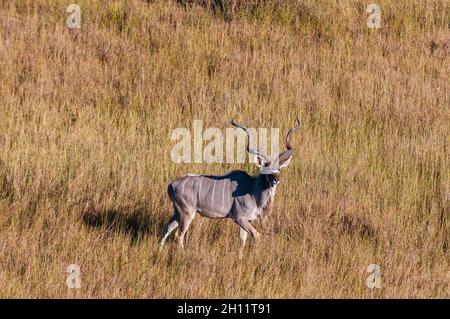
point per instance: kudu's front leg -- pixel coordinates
(264, 223)
(242, 237)
(245, 224)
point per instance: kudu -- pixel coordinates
(236, 195)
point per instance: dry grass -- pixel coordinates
(85, 126)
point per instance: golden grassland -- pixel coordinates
(85, 124)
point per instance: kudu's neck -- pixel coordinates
(264, 192)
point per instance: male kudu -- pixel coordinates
(236, 195)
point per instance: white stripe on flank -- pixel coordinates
(200, 190)
(192, 191)
(182, 187)
(212, 195)
(223, 191)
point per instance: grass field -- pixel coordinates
(86, 117)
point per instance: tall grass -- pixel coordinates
(85, 124)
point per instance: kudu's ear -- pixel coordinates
(260, 161)
(283, 159)
(285, 163)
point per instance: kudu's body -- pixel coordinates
(236, 195)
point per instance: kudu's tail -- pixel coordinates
(171, 192)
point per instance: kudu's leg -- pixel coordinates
(186, 217)
(169, 227)
(245, 224)
(242, 237)
(264, 225)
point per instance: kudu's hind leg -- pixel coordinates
(186, 217)
(170, 227)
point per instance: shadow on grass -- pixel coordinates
(220, 8)
(135, 222)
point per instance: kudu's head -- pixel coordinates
(270, 169)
